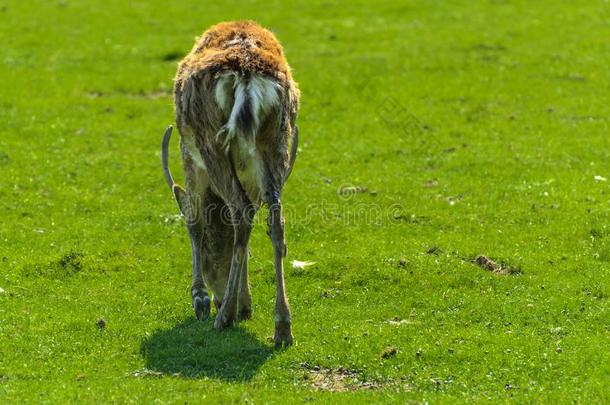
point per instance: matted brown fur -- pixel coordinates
(242, 46)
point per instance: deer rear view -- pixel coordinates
(236, 110)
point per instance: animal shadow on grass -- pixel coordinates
(194, 349)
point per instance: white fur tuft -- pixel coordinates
(262, 94)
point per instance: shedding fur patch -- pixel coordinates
(188, 143)
(223, 93)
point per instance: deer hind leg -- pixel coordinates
(191, 206)
(283, 322)
(242, 215)
(199, 293)
(217, 304)
(245, 298)
(219, 253)
(225, 183)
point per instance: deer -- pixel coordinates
(236, 107)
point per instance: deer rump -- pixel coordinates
(245, 113)
(247, 99)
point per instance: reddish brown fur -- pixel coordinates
(241, 46)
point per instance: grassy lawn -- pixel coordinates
(431, 133)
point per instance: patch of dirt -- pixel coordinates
(149, 95)
(337, 380)
(410, 218)
(4, 158)
(388, 352)
(500, 269)
(72, 261)
(434, 250)
(101, 323)
(488, 47)
(66, 265)
(98, 94)
(172, 56)
(152, 94)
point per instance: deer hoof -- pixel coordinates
(283, 335)
(222, 322)
(202, 307)
(245, 313)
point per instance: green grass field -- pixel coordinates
(465, 128)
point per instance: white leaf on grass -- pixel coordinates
(401, 322)
(297, 264)
(599, 178)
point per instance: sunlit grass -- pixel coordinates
(431, 133)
